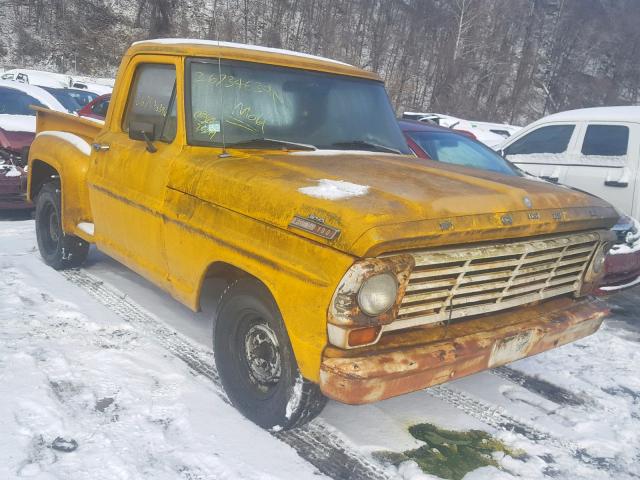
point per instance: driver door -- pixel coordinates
(128, 179)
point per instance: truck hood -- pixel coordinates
(382, 202)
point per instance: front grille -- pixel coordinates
(453, 283)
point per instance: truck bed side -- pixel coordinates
(61, 151)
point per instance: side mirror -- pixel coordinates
(145, 132)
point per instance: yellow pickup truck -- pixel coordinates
(352, 270)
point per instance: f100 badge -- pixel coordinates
(315, 226)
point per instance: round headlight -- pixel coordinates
(598, 260)
(378, 294)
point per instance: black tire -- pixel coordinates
(260, 375)
(58, 250)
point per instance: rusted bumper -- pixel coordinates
(407, 361)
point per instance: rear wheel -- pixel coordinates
(58, 250)
(255, 360)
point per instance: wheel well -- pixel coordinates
(216, 279)
(41, 173)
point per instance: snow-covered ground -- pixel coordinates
(103, 363)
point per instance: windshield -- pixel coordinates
(82, 97)
(64, 98)
(459, 150)
(15, 102)
(248, 101)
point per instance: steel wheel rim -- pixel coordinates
(49, 226)
(261, 352)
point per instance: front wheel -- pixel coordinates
(58, 250)
(255, 360)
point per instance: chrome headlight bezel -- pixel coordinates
(346, 312)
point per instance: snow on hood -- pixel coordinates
(18, 123)
(334, 189)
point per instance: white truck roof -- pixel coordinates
(605, 114)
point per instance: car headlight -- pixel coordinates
(596, 269)
(597, 264)
(378, 294)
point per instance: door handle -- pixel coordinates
(549, 178)
(100, 147)
(615, 183)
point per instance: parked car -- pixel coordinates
(594, 149)
(97, 108)
(491, 134)
(351, 269)
(17, 130)
(37, 77)
(432, 142)
(82, 97)
(96, 88)
(63, 96)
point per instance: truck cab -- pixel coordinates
(351, 269)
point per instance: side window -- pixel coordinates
(549, 139)
(101, 107)
(152, 100)
(606, 140)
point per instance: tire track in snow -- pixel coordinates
(316, 442)
(554, 393)
(497, 417)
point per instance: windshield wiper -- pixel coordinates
(365, 144)
(256, 142)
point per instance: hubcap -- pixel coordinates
(262, 355)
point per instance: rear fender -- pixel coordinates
(52, 156)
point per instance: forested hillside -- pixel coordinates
(506, 60)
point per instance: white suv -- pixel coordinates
(593, 149)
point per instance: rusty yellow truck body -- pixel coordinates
(487, 268)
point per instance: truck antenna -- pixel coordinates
(224, 153)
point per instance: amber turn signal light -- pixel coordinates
(363, 336)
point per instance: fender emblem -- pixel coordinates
(314, 225)
(446, 225)
(507, 219)
(533, 215)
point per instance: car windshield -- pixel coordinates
(15, 102)
(82, 97)
(460, 150)
(247, 102)
(64, 98)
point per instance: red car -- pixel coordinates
(17, 127)
(445, 145)
(14, 147)
(622, 266)
(97, 108)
